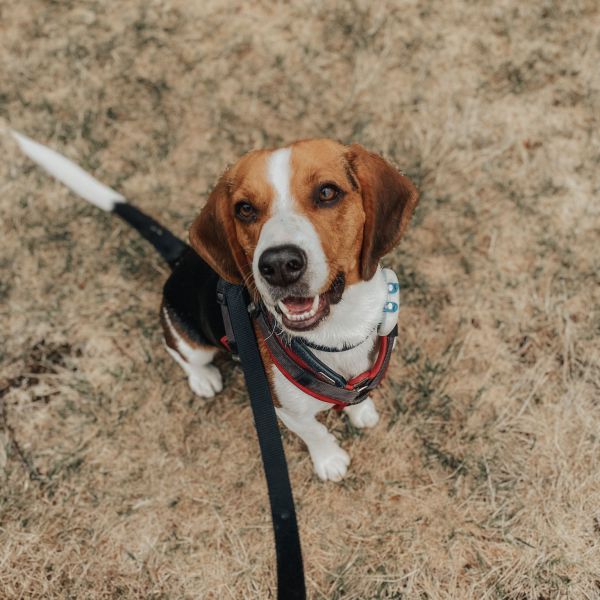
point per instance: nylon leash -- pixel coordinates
(290, 571)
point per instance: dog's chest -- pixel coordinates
(350, 363)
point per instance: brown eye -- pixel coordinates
(245, 212)
(328, 194)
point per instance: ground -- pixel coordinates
(482, 479)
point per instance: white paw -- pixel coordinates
(331, 464)
(363, 414)
(206, 381)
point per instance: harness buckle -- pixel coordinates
(363, 388)
(326, 377)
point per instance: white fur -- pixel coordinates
(363, 414)
(203, 377)
(287, 225)
(66, 171)
(298, 411)
(353, 319)
(279, 176)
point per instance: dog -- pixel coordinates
(304, 228)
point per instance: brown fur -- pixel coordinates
(340, 227)
(389, 200)
(216, 235)
(355, 232)
(268, 364)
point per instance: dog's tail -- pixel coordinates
(169, 246)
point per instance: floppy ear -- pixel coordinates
(213, 237)
(389, 199)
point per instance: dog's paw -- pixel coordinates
(331, 464)
(363, 415)
(206, 381)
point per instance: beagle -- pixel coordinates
(303, 228)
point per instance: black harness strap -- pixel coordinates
(318, 380)
(290, 572)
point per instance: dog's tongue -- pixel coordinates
(298, 305)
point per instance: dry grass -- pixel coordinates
(483, 479)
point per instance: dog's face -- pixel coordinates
(302, 223)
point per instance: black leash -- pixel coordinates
(290, 572)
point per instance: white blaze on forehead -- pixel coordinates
(279, 174)
(287, 225)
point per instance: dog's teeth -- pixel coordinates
(315, 304)
(303, 316)
(283, 308)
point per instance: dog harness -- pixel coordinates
(295, 360)
(299, 365)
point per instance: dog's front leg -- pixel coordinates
(298, 412)
(363, 414)
(196, 360)
(204, 378)
(329, 460)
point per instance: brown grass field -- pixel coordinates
(483, 478)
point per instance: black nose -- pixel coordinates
(282, 265)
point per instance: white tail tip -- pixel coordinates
(72, 175)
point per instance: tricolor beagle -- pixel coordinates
(304, 228)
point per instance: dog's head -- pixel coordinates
(302, 223)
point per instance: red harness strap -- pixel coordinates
(352, 384)
(377, 366)
(307, 372)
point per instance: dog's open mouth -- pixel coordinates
(303, 313)
(300, 313)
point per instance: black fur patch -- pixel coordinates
(168, 245)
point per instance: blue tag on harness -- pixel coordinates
(389, 318)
